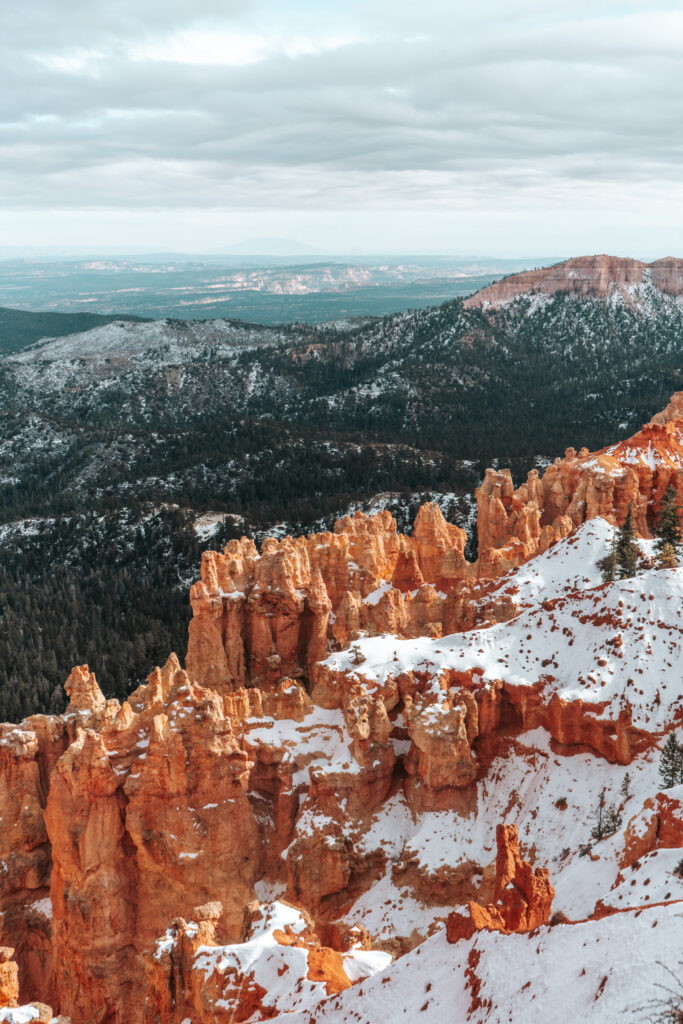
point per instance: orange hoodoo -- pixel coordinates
(523, 896)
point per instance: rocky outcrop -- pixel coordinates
(280, 967)
(9, 978)
(28, 756)
(26, 753)
(522, 896)
(599, 276)
(39, 1013)
(442, 728)
(260, 618)
(516, 524)
(167, 814)
(144, 816)
(125, 814)
(658, 826)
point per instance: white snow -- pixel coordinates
(599, 972)
(320, 742)
(376, 595)
(282, 970)
(43, 907)
(610, 645)
(18, 1015)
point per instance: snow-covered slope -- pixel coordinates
(611, 646)
(169, 341)
(600, 972)
(565, 567)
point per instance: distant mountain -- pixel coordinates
(599, 276)
(267, 247)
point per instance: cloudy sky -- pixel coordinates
(506, 127)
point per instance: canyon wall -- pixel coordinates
(598, 276)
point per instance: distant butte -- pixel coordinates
(598, 276)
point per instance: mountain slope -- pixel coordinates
(20, 328)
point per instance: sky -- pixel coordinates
(499, 127)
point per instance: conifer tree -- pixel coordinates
(668, 528)
(607, 818)
(627, 548)
(671, 763)
(667, 559)
(608, 564)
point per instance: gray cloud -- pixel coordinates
(427, 102)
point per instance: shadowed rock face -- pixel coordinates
(599, 276)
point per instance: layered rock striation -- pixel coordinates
(599, 276)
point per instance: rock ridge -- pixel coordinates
(599, 276)
(259, 618)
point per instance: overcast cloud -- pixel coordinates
(496, 126)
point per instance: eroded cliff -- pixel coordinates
(321, 787)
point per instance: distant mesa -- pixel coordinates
(598, 276)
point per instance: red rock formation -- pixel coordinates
(442, 728)
(513, 525)
(658, 826)
(28, 755)
(9, 978)
(39, 1013)
(585, 275)
(119, 818)
(280, 965)
(144, 817)
(259, 619)
(25, 753)
(523, 896)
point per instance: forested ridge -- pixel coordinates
(107, 460)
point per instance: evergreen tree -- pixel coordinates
(667, 559)
(627, 548)
(668, 529)
(607, 818)
(608, 564)
(671, 763)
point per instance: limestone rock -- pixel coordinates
(258, 619)
(83, 692)
(442, 731)
(26, 751)
(658, 825)
(144, 817)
